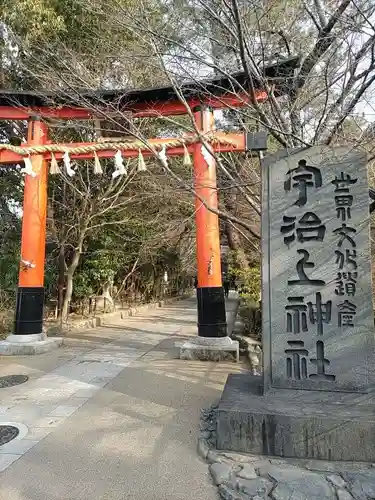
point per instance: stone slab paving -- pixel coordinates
(243, 477)
(112, 415)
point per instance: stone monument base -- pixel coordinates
(295, 423)
(211, 349)
(23, 345)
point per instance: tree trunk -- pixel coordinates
(69, 282)
(61, 281)
(233, 237)
(68, 296)
(157, 293)
(234, 244)
(106, 294)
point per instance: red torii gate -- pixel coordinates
(201, 98)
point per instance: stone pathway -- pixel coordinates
(242, 477)
(112, 415)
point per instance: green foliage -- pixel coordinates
(9, 266)
(248, 279)
(10, 237)
(251, 316)
(32, 20)
(250, 283)
(83, 287)
(102, 260)
(52, 44)
(75, 43)
(50, 276)
(7, 306)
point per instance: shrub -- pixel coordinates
(249, 283)
(251, 316)
(7, 307)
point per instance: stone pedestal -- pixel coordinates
(210, 349)
(290, 423)
(217, 348)
(23, 345)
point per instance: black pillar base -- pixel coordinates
(211, 312)
(29, 311)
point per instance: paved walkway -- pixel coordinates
(114, 414)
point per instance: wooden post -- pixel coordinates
(210, 294)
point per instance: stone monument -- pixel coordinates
(315, 399)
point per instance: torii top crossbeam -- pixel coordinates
(83, 104)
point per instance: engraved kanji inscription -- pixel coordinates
(344, 232)
(346, 283)
(343, 183)
(321, 363)
(296, 361)
(343, 206)
(346, 312)
(303, 177)
(297, 314)
(310, 228)
(318, 321)
(303, 264)
(347, 258)
(288, 227)
(320, 312)
(296, 317)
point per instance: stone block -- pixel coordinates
(7, 460)
(344, 495)
(252, 487)
(289, 423)
(336, 481)
(203, 448)
(17, 447)
(210, 349)
(25, 345)
(256, 141)
(362, 485)
(220, 473)
(247, 472)
(64, 411)
(227, 493)
(312, 489)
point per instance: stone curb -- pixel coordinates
(103, 318)
(233, 319)
(249, 346)
(207, 437)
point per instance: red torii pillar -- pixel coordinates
(210, 293)
(30, 293)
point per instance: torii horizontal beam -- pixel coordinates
(219, 141)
